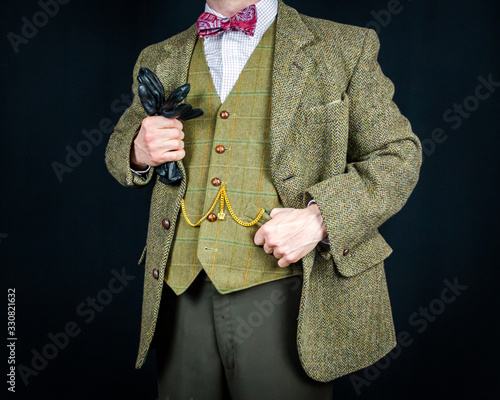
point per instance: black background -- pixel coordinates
(60, 241)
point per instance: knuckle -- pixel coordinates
(173, 145)
(171, 123)
(176, 133)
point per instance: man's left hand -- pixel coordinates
(291, 233)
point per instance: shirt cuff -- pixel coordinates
(141, 173)
(325, 240)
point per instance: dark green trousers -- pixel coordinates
(238, 346)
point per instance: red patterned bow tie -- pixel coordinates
(244, 21)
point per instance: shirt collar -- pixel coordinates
(266, 12)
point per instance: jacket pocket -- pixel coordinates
(366, 254)
(331, 112)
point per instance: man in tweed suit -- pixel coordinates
(306, 130)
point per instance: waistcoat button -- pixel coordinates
(216, 182)
(224, 114)
(212, 217)
(220, 149)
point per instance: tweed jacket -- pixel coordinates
(336, 137)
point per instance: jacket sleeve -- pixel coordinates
(121, 140)
(383, 161)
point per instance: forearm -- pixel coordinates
(356, 203)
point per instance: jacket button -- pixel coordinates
(156, 274)
(346, 252)
(212, 217)
(220, 149)
(165, 223)
(224, 114)
(216, 182)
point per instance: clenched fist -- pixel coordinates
(159, 140)
(291, 233)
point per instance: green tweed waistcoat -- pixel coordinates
(224, 248)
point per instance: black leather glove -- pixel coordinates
(152, 96)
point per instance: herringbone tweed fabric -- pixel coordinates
(223, 248)
(335, 136)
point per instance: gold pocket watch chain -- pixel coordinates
(222, 195)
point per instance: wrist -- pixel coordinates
(136, 164)
(314, 209)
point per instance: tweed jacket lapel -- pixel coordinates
(291, 67)
(290, 70)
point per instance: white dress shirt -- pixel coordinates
(228, 52)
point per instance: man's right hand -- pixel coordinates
(159, 140)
